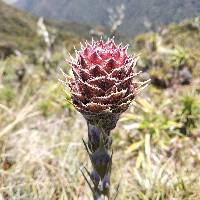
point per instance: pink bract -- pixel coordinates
(103, 78)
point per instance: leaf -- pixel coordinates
(139, 160)
(172, 125)
(130, 117)
(148, 146)
(131, 126)
(134, 146)
(145, 105)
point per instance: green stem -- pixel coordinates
(98, 148)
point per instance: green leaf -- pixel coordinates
(134, 146)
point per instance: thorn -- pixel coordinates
(135, 60)
(141, 83)
(75, 49)
(64, 74)
(116, 192)
(140, 89)
(72, 62)
(136, 74)
(69, 54)
(87, 180)
(82, 47)
(89, 174)
(71, 57)
(63, 82)
(92, 41)
(86, 42)
(126, 48)
(120, 45)
(86, 147)
(145, 82)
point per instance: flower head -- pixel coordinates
(103, 85)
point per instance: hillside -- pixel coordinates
(170, 56)
(153, 12)
(18, 27)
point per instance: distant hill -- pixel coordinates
(138, 13)
(16, 26)
(18, 29)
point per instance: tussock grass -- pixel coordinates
(41, 156)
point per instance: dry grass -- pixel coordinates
(41, 156)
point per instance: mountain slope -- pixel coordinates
(18, 29)
(90, 12)
(16, 26)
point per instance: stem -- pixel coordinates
(98, 148)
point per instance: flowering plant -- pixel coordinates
(102, 88)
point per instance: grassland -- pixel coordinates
(156, 143)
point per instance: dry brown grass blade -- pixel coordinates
(5, 108)
(24, 114)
